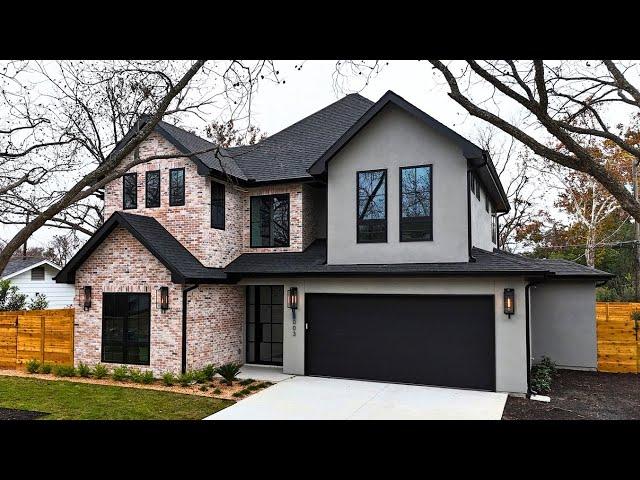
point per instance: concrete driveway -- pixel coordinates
(312, 398)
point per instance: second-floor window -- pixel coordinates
(217, 205)
(129, 191)
(152, 189)
(372, 206)
(270, 220)
(416, 196)
(176, 187)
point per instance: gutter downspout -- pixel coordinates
(527, 293)
(469, 171)
(185, 291)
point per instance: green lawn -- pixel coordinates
(83, 401)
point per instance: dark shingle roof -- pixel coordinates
(19, 263)
(184, 267)
(289, 153)
(313, 262)
(560, 267)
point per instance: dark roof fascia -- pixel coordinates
(471, 151)
(484, 274)
(202, 168)
(67, 274)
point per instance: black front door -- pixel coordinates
(265, 313)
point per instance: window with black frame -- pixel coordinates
(126, 325)
(152, 189)
(372, 206)
(416, 197)
(270, 220)
(176, 187)
(129, 191)
(217, 205)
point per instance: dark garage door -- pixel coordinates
(445, 340)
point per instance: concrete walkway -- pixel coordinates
(312, 398)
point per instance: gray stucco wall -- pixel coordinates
(510, 336)
(395, 139)
(563, 323)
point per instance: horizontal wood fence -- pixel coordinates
(618, 338)
(44, 335)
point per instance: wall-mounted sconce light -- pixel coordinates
(86, 305)
(164, 298)
(292, 300)
(509, 301)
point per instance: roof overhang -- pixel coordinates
(477, 157)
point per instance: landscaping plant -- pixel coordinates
(168, 379)
(209, 371)
(248, 381)
(147, 377)
(64, 371)
(33, 366)
(229, 371)
(199, 376)
(39, 302)
(135, 375)
(186, 379)
(542, 375)
(84, 370)
(120, 373)
(46, 368)
(100, 371)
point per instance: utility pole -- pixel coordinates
(636, 245)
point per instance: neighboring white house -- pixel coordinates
(35, 275)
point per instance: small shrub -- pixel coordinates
(46, 368)
(248, 381)
(199, 376)
(209, 371)
(229, 371)
(542, 375)
(39, 302)
(100, 371)
(245, 391)
(33, 366)
(84, 370)
(217, 391)
(253, 388)
(120, 373)
(135, 375)
(203, 388)
(238, 394)
(64, 371)
(186, 379)
(168, 379)
(147, 377)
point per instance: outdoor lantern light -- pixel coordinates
(87, 297)
(292, 300)
(164, 298)
(509, 301)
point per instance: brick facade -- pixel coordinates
(215, 313)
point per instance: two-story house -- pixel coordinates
(360, 242)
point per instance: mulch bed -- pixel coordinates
(13, 414)
(225, 391)
(578, 395)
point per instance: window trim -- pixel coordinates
(251, 245)
(184, 189)
(430, 165)
(135, 176)
(386, 206)
(124, 341)
(224, 205)
(146, 189)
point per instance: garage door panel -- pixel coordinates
(427, 339)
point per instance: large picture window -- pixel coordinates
(176, 187)
(372, 206)
(265, 316)
(416, 209)
(270, 221)
(129, 191)
(126, 324)
(152, 189)
(217, 205)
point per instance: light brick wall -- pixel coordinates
(215, 313)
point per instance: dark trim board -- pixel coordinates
(440, 340)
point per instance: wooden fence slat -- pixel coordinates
(44, 335)
(618, 343)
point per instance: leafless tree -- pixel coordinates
(60, 122)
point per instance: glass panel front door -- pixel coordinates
(265, 314)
